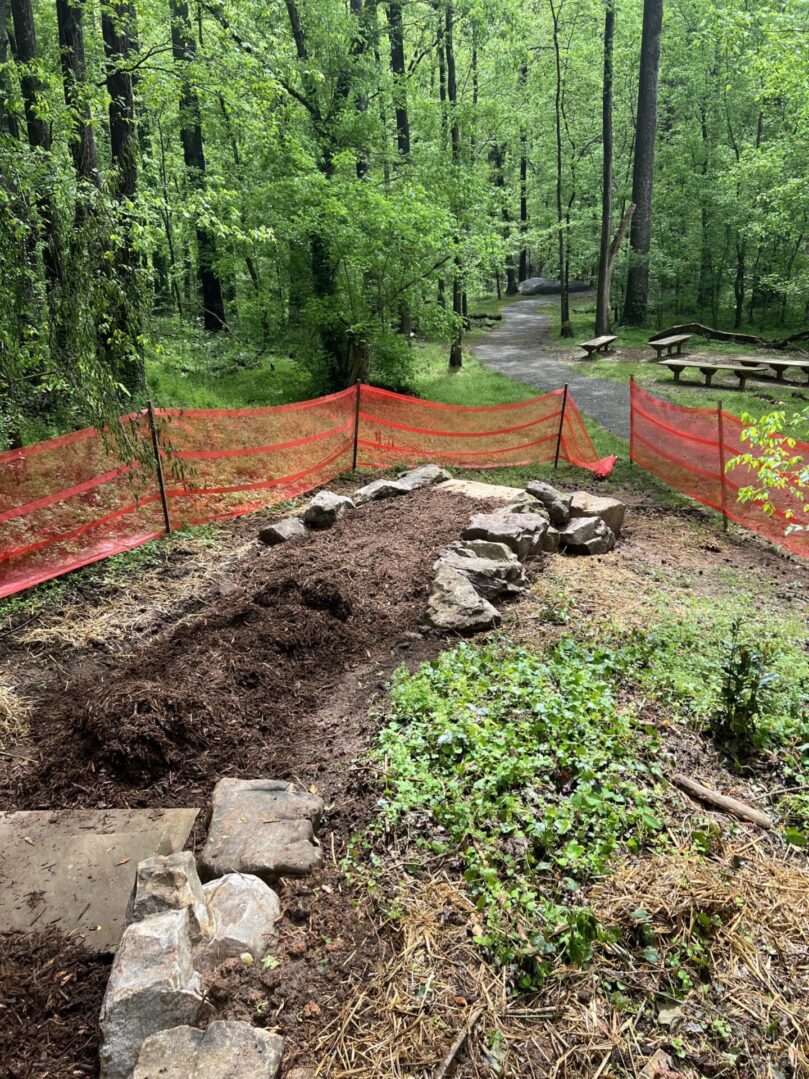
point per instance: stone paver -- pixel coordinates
(515, 348)
(75, 869)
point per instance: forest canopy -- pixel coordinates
(327, 177)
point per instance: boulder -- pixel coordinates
(528, 504)
(455, 606)
(522, 532)
(280, 531)
(544, 286)
(226, 1050)
(483, 549)
(556, 504)
(262, 826)
(244, 912)
(610, 510)
(378, 489)
(171, 882)
(152, 986)
(551, 540)
(325, 509)
(492, 578)
(588, 535)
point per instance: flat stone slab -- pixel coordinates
(262, 826)
(75, 869)
(226, 1050)
(474, 489)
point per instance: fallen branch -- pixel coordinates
(455, 1048)
(721, 801)
(733, 338)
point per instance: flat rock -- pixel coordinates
(492, 578)
(528, 504)
(423, 476)
(379, 489)
(262, 826)
(325, 509)
(288, 528)
(483, 549)
(243, 912)
(473, 489)
(588, 535)
(610, 510)
(171, 882)
(75, 869)
(556, 504)
(152, 986)
(522, 532)
(225, 1050)
(455, 605)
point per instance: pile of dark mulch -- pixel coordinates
(227, 693)
(51, 990)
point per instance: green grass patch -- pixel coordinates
(530, 771)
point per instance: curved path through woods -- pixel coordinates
(518, 347)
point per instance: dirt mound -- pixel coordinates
(52, 992)
(225, 693)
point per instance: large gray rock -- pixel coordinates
(455, 606)
(423, 476)
(262, 826)
(528, 504)
(226, 1050)
(492, 578)
(610, 510)
(287, 528)
(544, 286)
(556, 504)
(325, 509)
(171, 882)
(483, 549)
(244, 912)
(588, 535)
(522, 532)
(551, 541)
(379, 489)
(152, 986)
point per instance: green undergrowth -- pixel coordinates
(528, 769)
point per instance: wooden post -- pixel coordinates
(561, 425)
(356, 424)
(632, 419)
(159, 465)
(721, 427)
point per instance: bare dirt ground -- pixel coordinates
(229, 659)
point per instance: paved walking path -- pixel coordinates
(515, 347)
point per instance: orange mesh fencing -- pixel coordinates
(689, 449)
(70, 501)
(398, 430)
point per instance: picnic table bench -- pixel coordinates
(782, 366)
(668, 343)
(598, 344)
(742, 371)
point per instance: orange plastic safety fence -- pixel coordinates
(689, 449)
(70, 501)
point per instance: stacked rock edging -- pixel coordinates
(179, 928)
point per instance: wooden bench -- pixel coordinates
(740, 370)
(782, 366)
(668, 343)
(598, 344)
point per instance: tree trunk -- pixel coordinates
(8, 121)
(397, 66)
(524, 270)
(637, 293)
(184, 49)
(566, 330)
(604, 276)
(456, 349)
(69, 15)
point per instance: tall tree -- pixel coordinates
(456, 349)
(604, 281)
(184, 48)
(397, 66)
(8, 120)
(566, 328)
(637, 289)
(69, 18)
(524, 268)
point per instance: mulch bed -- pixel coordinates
(274, 679)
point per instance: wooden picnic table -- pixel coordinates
(742, 371)
(598, 344)
(782, 366)
(668, 343)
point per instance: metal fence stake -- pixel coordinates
(356, 424)
(722, 465)
(561, 426)
(632, 419)
(159, 465)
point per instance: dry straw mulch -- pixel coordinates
(744, 914)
